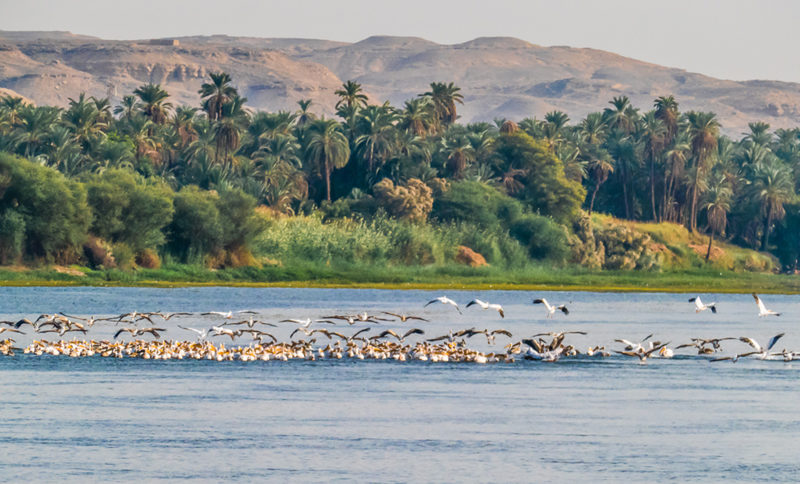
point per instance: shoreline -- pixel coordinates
(698, 287)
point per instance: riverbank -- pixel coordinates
(439, 277)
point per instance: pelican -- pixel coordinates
(307, 322)
(762, 310)
(700, 307)
(404, 317)
(250, 323)
(444, 300)
(639, 346)
(551, 310)
(10, 330)
(486, 305)
(641, 353)
(201, 333)
(227, 315)
(168, 316)
(140, 331)
(763, 353)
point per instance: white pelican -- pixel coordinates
(699, 306)
(762, 310)
(551, 309)
(404, 317)
(763, 353)
(201, 333)
(486, 305)
(444, 300)
(227, 315)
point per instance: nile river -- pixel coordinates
(611, 419)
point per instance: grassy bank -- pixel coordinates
(411, 277)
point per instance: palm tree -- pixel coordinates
(128, 107)
(759, 134)
(717, 205)
(772, 187)
(601, 165)
(216, 93)
(622, 116)
(593, 129)
(228, 127)
(667, 113)
(444, 98)
(654, 133)
(459, 153)
(327, 149)
(418, 117)
(703, 132)
(378, 136)
(153, 102)
(351, 95)
(83, 119)
(35, 123)
(304, 116)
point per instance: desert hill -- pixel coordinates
(499, 77)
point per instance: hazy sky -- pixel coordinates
(733, 39)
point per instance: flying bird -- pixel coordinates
(762, 310)
(486, 305)
(551, 310)
(444, 300)
(700, 307)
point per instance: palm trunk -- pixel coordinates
(328, 179)
(767, 223)
(594, 194)
(710, 241)
(693, 208)
(653, 187)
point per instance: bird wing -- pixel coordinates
(417, 318)
(625, 342)
(473, 302)
(563, 309)
(412, 331)
(502, 331)
(120, 332)
(761, 308)
(359, 332)
(751, 342)
(774, 340)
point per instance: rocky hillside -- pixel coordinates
(500, 77)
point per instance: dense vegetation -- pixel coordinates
(223, 186)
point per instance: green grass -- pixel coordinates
(304, 274)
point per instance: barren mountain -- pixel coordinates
(499, 77)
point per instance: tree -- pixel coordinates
(377, 136)
(128, 107)
(154, 104)
(703, 132)
(717, 205)
(600, 165)
(327, 149)
(654, 133)
(351, 95)
(547, 190)
(444, 98)
(772, 187)
(418, 117)
(216, 94)
(228, 127)
(667, 112)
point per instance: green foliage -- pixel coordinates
(545, 239)
(54, 210)
(129, 209)
(196, 229)
(12, 236)
(478, 203)
(547, 190)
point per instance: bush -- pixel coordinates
(544, 238)
(12, 236)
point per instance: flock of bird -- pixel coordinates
(328, 337)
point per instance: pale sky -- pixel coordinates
(731, 39)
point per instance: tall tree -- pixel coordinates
(216, 93)
(717, 205)
(327, 149)
(772, 187)
(154, 104)
(444, 98)
(703, 132)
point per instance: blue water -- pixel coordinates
(609, 420)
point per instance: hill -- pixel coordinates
(500, 77)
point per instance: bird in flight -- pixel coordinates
(700, 307)
(762, 310)
(444, 300)
(551, 310)
(404, 317)
(486, 305)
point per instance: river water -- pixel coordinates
(608, 420)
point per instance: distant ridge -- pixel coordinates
(500, 77)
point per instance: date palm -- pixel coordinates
(717, 205)
(34, 124)
(621, 116)
(418, 117)
(703, 132)
(759, 134)
(154, 104)
(444, 98)
(667, 112)
(351, 95)
(600, 165)
(327, 149)
(128, 107)
(228, 128)
(377, 136)
(216, 94)
(654, 133)
(772, 187)
(83, 119)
